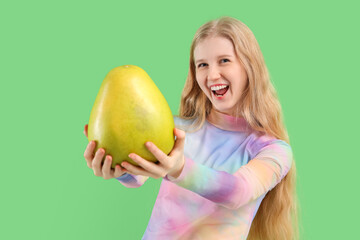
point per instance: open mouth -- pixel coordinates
(221, 91)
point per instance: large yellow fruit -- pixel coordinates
(130, 110)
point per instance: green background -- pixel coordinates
(54, 56)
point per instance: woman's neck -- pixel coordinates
(227, 122)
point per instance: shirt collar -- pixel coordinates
(227, 122)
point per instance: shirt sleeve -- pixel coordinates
(132, 181)
(271, 161)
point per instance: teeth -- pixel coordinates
(218, 87)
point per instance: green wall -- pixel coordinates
(54, 56)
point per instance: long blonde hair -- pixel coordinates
(277, 216)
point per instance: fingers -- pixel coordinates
(137, 170)
(179, 133)
(96, 163)
(119, 171)
(106, 168)
(158, 154)
(86, 130)
(89, 153)
(108, 173)
(180, 141)
(148, 166)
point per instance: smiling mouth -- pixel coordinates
(221, 92)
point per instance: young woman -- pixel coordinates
(233, 175)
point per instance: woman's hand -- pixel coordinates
(170, 165)
(94, 161)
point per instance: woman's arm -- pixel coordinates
(260, 175)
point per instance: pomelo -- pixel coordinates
(130, 110)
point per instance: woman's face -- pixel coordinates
(216, 67)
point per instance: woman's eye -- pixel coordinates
(201, 64)
(225, 59)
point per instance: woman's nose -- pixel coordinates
(213, 73)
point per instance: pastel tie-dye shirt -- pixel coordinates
(228, 170)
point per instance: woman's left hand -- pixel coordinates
(170, 165)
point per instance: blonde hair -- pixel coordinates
(277, 216)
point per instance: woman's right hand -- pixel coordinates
(94, 161)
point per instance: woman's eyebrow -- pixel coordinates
(221, 56)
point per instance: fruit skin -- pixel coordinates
(130, 110)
